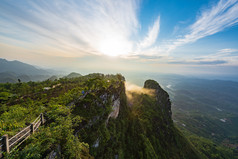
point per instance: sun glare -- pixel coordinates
(114, 47)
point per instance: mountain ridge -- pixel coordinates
(95, 116)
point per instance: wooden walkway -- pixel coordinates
(8, 145)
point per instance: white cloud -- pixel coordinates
(151, 35)
(223, 57)
(227, 54)
(228, 50)
(219, 17)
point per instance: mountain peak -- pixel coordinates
(162, 98)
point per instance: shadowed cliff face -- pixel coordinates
(161, 96)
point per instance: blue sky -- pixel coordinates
(172, 36)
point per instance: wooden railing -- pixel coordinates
(8, 145)
(1, 147)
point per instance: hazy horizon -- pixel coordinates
(137, 77)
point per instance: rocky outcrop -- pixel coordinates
(162, 97)
(115, 109)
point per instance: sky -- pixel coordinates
(174, 36)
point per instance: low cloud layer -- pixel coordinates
(199, 62)
(132, 88)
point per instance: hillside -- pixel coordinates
(93, 116)
(52, 78)
(73, 75)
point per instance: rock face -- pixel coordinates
(162, 98)
(115, 109)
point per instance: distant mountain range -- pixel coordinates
(20, 68)
(11, 71)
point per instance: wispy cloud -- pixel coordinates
(220, 16)
(212, 20)
(151, 36)
(221, 57)
(74, 27)
(199, 62)
(228, 50)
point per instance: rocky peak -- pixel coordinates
(162, 96)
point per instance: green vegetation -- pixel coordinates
(21, 103)
(80, 123)
(210, 149)
(206, 112)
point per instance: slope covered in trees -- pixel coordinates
(93, 116)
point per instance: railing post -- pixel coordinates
(5, 143)
(32, 128)
(42, 118)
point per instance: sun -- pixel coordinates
(114, 47)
